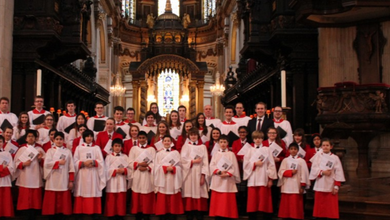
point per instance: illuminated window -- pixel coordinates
(209, 8)
(175, 4)
(128, 8)
(168, 91)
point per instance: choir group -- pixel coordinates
(163, 166)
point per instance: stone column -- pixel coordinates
(6, 25)
(200, 95)
(192, 91)
(143, 101)
(136, 99)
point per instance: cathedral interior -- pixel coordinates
(324, 62)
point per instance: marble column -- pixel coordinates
(192, 91)
(143, 101)
(6, 25)
(200, 95)
(136, 99)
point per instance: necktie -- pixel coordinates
(168, 150)
(194, 143)
(118, 155)
(258, 147)
(135, 143)
(242, 143)
(259, 125)
(109, 136)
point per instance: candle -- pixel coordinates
(39, 82)
(283, 87)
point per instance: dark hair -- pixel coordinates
(166, 136)
(99, 103)
(312, 139)
(261, 103)
(223, 137)
(76, 126)
(142, 133)
(230, 107)
(39, 97)
(248, 137)
(20, 126)
(327, 140)
(158, 131)
(83, 125)
(178, 125)
(4, 98)
(211, 143)
(300, 132)
(116, 141)
(51, 130)
(87, 133)
(193, 131)
(197, 125)
(293, 144)
(118, 108)
(30, 131)
(130, 109)
(157, 116)
(181, 106)
(149, 113)
(54, 120)
(69, 102)
(184, 132)
(1, 136)
(58, 133)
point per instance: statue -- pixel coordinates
(186, 20)
(150, 20)
(230, 79)
(379, 99)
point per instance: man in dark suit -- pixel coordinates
(261, 122)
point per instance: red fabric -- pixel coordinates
(326, 205)
(223, 204)
(114, 173)
(102, 139)
(87, 205)
(158, 139)
(4, 171)
(46, 146)
(337, 183)
(259, 199)
(6, 207)
(209, 149)
(236, 147)
(288, 173)
(180, 142)
(127, 145)
(310, 152)
(56, 165)
(172, 204)
(191, 204)
(166, 171)
(20, 166)
(29, 198)
(75, 143)
(115, 204)
(55, 202)
(287, 210)
(142, 203)
(282, 154)
(71, 176)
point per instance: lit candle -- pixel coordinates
(283, 87)
(39, 82)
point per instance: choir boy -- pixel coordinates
(141, 164)
(66, 122)
(37, 115)
(58, 171)
(168, 181)
(118, 172)
(225, 176)
(97, 122)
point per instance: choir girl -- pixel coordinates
(168, 181)
(21, 127)
(156, 113)
(214, 137)
(174, 124)
(315, 147)
(162, 130)
(128, 144)
(43, 131)
(79, 140)
(225, 176)
(196, 177)
(141, 164)
(239, 143)
(28, 161)
(181, 140)
(293, 180)
(46, 146)
(7, 169)
(58, 171)
(118, 172)
(74, 133)
(327, 171)
(104, 138)
(200, 124)
(90, 177)
(259, 171)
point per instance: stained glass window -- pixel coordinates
(128, 8)
(175, 4)
(168, 91)
(209, 8)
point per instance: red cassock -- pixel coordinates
(326, 205)
(223, 211)
(6, 207)
(127, 145)
(287, 210)
(143, 203)
(180, 142)
(169, 204)
(57, 202)
(102, 139)
(310, 152)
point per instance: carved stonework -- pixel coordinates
(37, 23)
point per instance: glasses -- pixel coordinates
(277, 111)
(271, 133)
(38, 101)
(49, 119)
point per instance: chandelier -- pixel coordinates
(217, 89)
(118, 89)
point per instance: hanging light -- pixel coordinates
(151, 98)
(118, 89)
(217, 89)
(185, 98)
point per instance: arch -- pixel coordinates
(180, 65)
